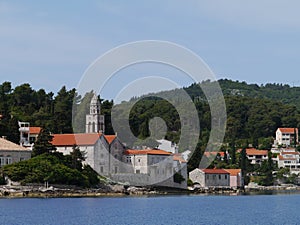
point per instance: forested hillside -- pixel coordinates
(253, 112)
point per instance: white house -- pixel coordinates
(256, 156)
(168, 146)
(28, 134)
(286, 136)
(210, 177)
(12, 153)
(288, 159)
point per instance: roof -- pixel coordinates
(284, 158)
(35, 130)
(75, 139)
(110, 138)
(254, 151)
(208, 154)
(289, 153)
(234, 172)
(287, 130)
(6, 145)
(177, 157)
(146, 152)
(215, 171)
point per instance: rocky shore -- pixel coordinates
(69, 191)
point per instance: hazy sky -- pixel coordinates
(51, 43)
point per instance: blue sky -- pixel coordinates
(51, 43)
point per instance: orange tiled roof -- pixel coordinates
(215, 171)
(288, 130)
(177, 157)
(283, 158)
(289, 153)
(146, 152)
(233, 172)
(254, 151)
(110, 138)
(72, 139)
(208, 154)
(35, 130)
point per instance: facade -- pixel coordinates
(28, 134)
(168, 146)
(286, 136)
(236, 179)
(210, 177)
(12, 153)
(256, 156)
(180, 166)
(288, 159)
(94, 120)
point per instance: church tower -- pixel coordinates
(94, 120)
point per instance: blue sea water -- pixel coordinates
(245, 209)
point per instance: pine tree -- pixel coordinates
(77, 157)
(43, 144)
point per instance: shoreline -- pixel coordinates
(131, 191)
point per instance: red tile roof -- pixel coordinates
(208, 154)
(177, 157)
(289, 153)
(215, 171)
(288, 130)
(35, 130)
(254, 151)
(233, 172)
(284, 158)
(110, 138)
(72, 139)
(146, 152)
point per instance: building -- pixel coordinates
(28, 134)
(94, 120)
(256, 156)
(210, 177)
(12, 153)
(288, 159)
(286, 136)
(180, 166)
(168, 146)
(236, 178)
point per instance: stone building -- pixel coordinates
(12, 153)
(210, 177)
(94, 120)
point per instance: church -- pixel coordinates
(109, 157)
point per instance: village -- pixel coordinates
(160, 166)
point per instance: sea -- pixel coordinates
(177, 209)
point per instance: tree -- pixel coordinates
(77, 157)
(43, 144)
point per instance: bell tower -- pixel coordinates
(94, 120)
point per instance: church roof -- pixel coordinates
(75, 139)
(146, 152)
(6, 145)
(110, 138)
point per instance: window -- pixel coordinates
(2, 161)
(137, 171)
(225, 177)
(219, 176)
(116, 169)
(8, 160)
(139, 160)
(207, 177)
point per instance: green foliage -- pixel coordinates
(43, 143)
(51, 168)
(178, 178)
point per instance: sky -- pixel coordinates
(52, 43)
